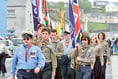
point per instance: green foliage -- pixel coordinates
(85, 5)
(97, 26)
(55, 5)
(102, 9)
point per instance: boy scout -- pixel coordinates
(54, 42)
(63, 51)
(51, 62)
(28, 59)
(37, 35)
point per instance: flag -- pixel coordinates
(62, 22)
(58, 28)
(72, 24)
(35, 14)
(40, 10)
(46, 11)
(78, 29)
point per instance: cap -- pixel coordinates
(27, 34)
(66, 32)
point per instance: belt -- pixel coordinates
(26, 70)
(85, 65)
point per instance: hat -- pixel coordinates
(27, 34)
(66, 32)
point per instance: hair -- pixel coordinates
(45, 29)
(85, 33)
(40, 25)
(86, 37)
(102, 34)
(95, 39)
(54, 30)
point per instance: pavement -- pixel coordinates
(114, 67)
(111, 71)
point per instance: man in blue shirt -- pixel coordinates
(28, 59)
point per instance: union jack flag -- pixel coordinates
(78, 29)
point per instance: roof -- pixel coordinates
(16, 2)
(115, 3)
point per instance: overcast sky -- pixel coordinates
(67, 0)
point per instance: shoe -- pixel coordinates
(3, 74)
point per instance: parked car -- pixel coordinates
(17, 42)
(9, 45)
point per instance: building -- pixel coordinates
(98, 3)
(3, 18)
(19, 16)
(103, 17)
(112, 7)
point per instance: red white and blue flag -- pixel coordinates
(78, 29)
(72, 24)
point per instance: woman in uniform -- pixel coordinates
(106, 52)
(85, 57)
(96, 72)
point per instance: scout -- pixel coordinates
(51, 62)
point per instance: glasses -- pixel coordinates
(25, 38)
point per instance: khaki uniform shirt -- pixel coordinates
(48, 53)
(86, 54)
(59, 50)
(98, 52)
(105, 48)
(54, 46)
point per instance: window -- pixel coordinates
(11, 13)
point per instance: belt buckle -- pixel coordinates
(27, 70)
(83, 65)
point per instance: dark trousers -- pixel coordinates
(46, 73)
(104, 67)
(84, 72)
(67, 72)
(97, 70)
(21, 74)
(2, 64)
(58, 70)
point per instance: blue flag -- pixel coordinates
(35, 14)
(72, 23)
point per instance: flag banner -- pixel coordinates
(62, 23)
(72, 24)
(35, 14)
(62, 18)
(46, 11)
(40, 10)
(58, 28)
(78, 29)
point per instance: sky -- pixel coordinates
(67, 0)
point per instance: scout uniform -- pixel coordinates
(50, 59)
(96, 72)
(86, 61)
(26, 59)
(62, 54)
(58, 72)
(106, 55)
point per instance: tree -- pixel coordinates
(85, 5)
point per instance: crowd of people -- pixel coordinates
(45, 56)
